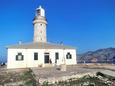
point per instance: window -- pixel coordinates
(57, 55)
(19, 57)
(68, 56)
(35, 56)
(39, 12)
(46, 53)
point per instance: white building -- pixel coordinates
(40, 52)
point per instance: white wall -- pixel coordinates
(12, 63)
(29, 57)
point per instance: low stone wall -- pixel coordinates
(64, 78)
(13, 84)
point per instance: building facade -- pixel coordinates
(40, 53)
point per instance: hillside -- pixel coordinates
(101, 55)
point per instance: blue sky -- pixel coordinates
(85, 24)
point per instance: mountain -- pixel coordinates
(101, 55)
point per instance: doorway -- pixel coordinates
(46, 58)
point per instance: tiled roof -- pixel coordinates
(39, 46)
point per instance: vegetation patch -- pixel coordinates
(29, 78)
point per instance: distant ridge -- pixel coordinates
(100, 55)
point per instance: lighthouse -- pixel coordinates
(40, 25)
(40, 52)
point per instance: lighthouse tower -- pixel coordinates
(40, 24)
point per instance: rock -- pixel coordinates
(63, 67)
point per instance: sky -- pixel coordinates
(85, 24)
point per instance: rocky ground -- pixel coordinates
(18, 77)
(54, 74)
(10, 76)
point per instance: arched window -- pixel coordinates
(19, 57)
(68, 56)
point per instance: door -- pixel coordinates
(46, 58)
